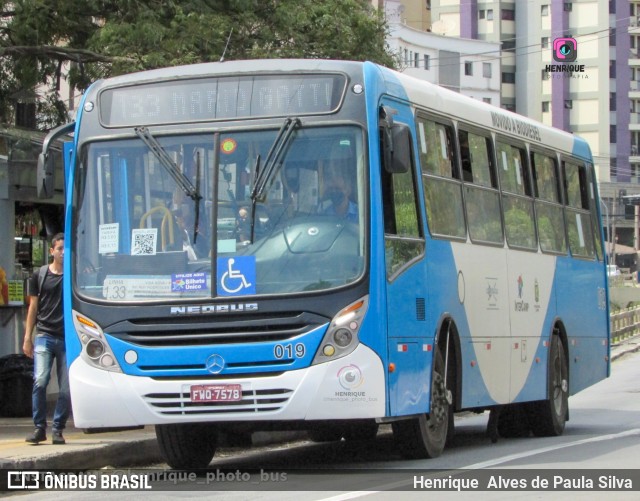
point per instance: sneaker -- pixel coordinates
(39, 435)
(57, 438)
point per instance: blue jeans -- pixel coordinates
(46, 349)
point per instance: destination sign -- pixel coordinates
(204, 99)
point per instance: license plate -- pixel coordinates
(216, 393)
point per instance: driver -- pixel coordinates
(337, 194)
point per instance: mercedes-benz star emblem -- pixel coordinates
(215, 364)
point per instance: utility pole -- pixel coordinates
(636, 221)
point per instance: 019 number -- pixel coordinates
(281, 351)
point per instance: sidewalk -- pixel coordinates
(115, 448)
(82, 450)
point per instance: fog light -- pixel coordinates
(95, 349)
(342, 337)
(328, 350)
(131, 357)
(107, 360)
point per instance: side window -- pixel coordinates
(579, 224)
(545, 177)
(595, 217)
(481, 188)
(551, 229)
(442, 187)
(404, 241)
(436, 149)
(576, 185)
(477, 159)
(513, 169)
(517, 203)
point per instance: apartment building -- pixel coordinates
(467, 66)
(593, 93)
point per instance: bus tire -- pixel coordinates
(547, 418)
(426, 436)
(451, 385)
(325, 433)
(187, 446)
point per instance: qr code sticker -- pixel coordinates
(144, 242)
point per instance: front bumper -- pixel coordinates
(352, 387)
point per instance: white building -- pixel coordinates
(471, 67)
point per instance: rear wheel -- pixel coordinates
(187, 446)
(425, 436)
(547, 418)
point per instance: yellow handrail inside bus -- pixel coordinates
(167, 224)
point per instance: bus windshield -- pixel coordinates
(188, 227)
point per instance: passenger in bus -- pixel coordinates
(243, 225)
(185, 221)
(337, 195)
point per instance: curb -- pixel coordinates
(628, 348)
(121, 454)
(94, 457)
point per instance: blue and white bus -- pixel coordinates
(324, 245)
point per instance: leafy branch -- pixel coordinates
(62, 54)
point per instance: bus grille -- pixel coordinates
(228, 330)
(253, 401)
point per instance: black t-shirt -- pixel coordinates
(50, 312)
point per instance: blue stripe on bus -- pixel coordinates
(188, 361)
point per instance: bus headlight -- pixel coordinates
(341, 337)
(95, 349)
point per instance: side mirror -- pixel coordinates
(401, 151)
(45, 177)
(46, 164)
(395, 143)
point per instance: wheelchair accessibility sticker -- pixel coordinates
(236, 275)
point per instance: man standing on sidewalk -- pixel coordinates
(46, 343)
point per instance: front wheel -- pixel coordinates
(187, 446)
(425, 436)
(547, 418)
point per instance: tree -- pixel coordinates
(101, 38)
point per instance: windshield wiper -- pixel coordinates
(271, 162)
(263, 175)
(167, 162)
(196, 219)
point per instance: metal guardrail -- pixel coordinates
(625, 324)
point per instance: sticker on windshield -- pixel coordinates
(236, 275)
(183, 282)
(228, 146)
(143, 241)
(108, 238)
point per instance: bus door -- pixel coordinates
(405, 282)
(527, 273)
